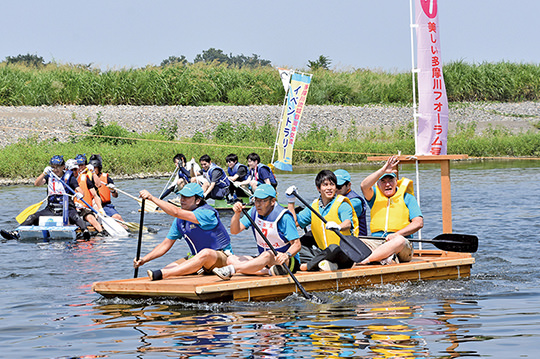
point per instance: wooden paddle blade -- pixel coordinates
(28, 211)
(114, 228)
(149, 206)
(454, 242)
(354, 248)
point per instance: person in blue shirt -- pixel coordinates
(199, 224)
(395, 214)
(325, 253)
(343, 186)
(259, 173)
(217, 184)
(279, 227)
(237, 173)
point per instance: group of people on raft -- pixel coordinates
(74, 187)
(395, 216)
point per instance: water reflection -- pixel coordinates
(383, 330)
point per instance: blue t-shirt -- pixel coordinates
(345, 212)
(207, 221)
(410, 202)
(286, 225)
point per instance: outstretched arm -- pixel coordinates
(170, 208)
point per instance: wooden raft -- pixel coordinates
(426, 265)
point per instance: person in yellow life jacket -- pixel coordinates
(85, 177)
(395, 214)
(340, 214)
(107, 189)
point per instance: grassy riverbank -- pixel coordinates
(126, 153)
(203, 84)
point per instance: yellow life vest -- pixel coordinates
(391, 214)
(324, 237)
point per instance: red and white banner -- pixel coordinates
(432, 100)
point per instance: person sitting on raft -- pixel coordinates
(107, 190)
(340, 215)
(258, 173)
(395, 214)
(199, 224)
(217, 184)
(183, 176)
(237, 173)
(56, 193)
(280, 229)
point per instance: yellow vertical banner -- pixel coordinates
(296, 101)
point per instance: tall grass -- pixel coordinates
(153, 152)
(203, 84)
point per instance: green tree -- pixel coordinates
(173, 60)
(232, 60)
(27, 60)
(211, 55)
(323, 62)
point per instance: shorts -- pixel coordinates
(220, 262)
(405, 255)
(84, 211)
(110, 210)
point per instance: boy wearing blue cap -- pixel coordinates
(199, 224)
(278, 225)
(343, 187)
(395, 214)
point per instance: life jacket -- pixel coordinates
(254, 173)
(198, 239)
(56, 189)
(223, 181)
(234, 170)
(87, 196)
(104, 191)
(362, 224)
(269, 227)
(389, 215)
(324, 237)
(184, 173)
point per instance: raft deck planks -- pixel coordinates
(426, 265)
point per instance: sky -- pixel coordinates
(353, 34)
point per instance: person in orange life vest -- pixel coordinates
(395, 214)
(199, 224)
(107, 189)
(279, 227)
(339, 214)
(85, 178)
(55, 191)
(258, 173)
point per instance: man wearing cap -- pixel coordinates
(199, 224)
(57, 197)
(279, 227)
(395, 214)
(343, 186)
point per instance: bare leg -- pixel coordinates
(205, 258)
(94, 222)
(253, 266)
(395, 245)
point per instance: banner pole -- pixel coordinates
(281, 118)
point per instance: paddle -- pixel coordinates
(139, 242)
(451, 242)
(109, 223)
(167, 185)
(354, 248)
(29, 211)
(304, 293)
(148, 207)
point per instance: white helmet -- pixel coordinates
(71, 164)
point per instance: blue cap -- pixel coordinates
(391, 174)
(264, 191)
(192, 189)
(57, 160)
(81, 159)
(342, 177)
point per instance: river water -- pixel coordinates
(50, 311)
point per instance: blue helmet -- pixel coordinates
(81, 159)
(57, 160)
